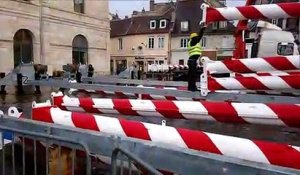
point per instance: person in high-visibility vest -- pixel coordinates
(194, 51)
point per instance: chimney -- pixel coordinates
(151, 5)
(126, 17)
(134, 12)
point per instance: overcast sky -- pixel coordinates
(125, 7)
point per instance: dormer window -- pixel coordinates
(152, 24)
(215, 26)
(184, 25)
(223, 24)
(163, 23)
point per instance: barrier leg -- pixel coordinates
(78, 77)
(19, 84)
(37, 76)
(2, 90)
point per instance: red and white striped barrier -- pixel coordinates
(269, 11)
(135, 95)
(272, 73)
(251, 150)
(256, 113)
(174, 67)
(254, 83)
(272, 77)
(253, 65)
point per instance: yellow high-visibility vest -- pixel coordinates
(194, 50)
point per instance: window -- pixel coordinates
(163, 24)
(161, 62)
(120, 46)
(79, 6)
(291, 23)
(203, 42)
(184, 25)
(151, 42)
(150, 62)
(161, 42)
(152, 24)
(285, 49)
(181, 62)
(121, 65)
(184, 42)
(223, 24)
(215, 26)
(274, 21)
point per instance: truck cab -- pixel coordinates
(270, 40)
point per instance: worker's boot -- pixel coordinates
(192, 63)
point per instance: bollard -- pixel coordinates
(78, 77)
(139, 75)
(2, 91)
(37, 76)
(90, 72)
(19, 84)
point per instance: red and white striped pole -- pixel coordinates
(251, 150)
(272, 73)
(289, 82)
(268, 11)
(254, 113)
(253, 65)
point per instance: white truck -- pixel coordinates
(270, 40)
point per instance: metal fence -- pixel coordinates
(27, 152)
(42, 148)
(36, 154)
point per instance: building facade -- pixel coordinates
(54, 33)
(218, 39)
(139, 39)
(142, 39)
(160, 36)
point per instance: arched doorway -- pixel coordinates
(23, 47)
(80, 50)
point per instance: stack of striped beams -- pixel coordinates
(251, 113)
(250, 150)
(279, 75)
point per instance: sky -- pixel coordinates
(125, 7)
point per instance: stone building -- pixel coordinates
(54, 33)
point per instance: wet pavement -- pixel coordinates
(24, 102)
(258, 132)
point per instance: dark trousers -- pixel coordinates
(192, 63)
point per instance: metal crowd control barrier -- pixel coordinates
(118, 168)
(251, 98)
(112, 80)
(159, 157)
